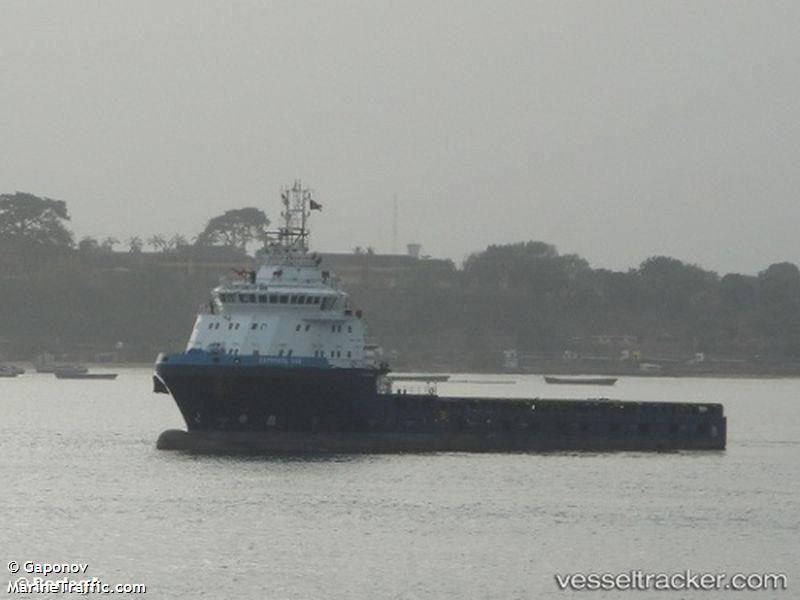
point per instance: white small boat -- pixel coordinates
(11, 368)
(80, 372)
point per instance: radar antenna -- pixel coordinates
(292, 236)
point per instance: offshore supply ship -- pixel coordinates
(278, 363)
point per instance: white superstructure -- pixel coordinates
(290, 307)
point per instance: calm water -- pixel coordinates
(82, 482)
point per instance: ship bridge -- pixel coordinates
(289, 307)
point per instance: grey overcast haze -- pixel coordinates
(615, 130)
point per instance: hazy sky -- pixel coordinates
(617, 130)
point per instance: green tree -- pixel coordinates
(26, 219)
(737, 292)
(779, 284)
(135, 244)
(177, 240)
(88, 245)
(158, 242)
(108, 244)
(236, 228)
(674, 287)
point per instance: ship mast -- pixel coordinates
(293, 236)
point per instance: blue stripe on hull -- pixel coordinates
(201, 357)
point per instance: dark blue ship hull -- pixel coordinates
(237, 404)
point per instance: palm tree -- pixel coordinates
(177, 240)
(158, 242)
(135, 244)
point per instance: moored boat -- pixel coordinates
(106, 376)
(80, 372)
(10, 370)
(580, 380)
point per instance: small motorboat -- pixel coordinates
(581, 380)
(10, 370)
(80, 372)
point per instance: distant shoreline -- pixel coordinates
(28, 366)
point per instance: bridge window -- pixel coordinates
(211, 326)
(316, 299)
(294, 300)
(297, 328)
(245, 298)
(237, 326)
(284, 299)
(230, 325)
(254, 326)
(301, 299)
(262, 299)
(263, 326)
(273, 298)
(308, 327)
